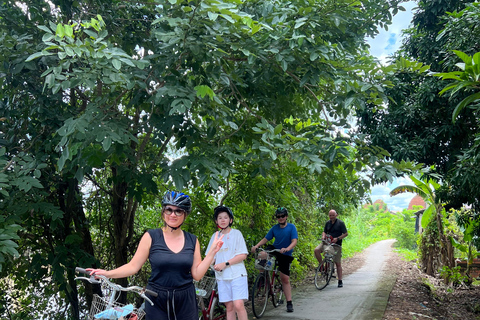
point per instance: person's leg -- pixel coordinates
(339, 270)
(318, 253)
(284, 269)
(240, 310)
(230, 310)
(239, 295)
(225, 296)
(287, 288)
(338, 264)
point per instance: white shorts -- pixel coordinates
(231, 290)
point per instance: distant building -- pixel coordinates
(378, 205)
(417, 201)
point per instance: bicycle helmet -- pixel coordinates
(177, 199)
(220, 209)
(280, 211)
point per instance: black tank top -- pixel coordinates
(169, 269)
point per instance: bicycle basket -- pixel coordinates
(204, 287)
(264, 264)
(330, 250)
(102, 309)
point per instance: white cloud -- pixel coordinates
(387, 42)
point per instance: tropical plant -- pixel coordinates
(434, 212)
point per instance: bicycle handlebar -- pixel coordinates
(99, 279)
(268, 251)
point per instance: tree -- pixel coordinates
(182, 91)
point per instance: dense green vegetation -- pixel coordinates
(106, 104)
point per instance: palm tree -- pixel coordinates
(435, 210)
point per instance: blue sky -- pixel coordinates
(389, 41)
(383, 45)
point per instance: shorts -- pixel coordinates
(179, 303)
(338, 257)
(283, 261)
(231, 290)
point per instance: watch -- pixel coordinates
(227, 263)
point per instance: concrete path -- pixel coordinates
(364, 295)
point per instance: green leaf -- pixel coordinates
(107, 142)
(465, 57)
(203, 90)
(465, 102)
(427, 215)
(278, 129)
(45, 28)
(69, 31)
(212, 16)
(60, 30)
(117, 64)
(34, 56)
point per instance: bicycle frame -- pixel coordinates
(323, 273)
(212, 310)
(271, 286)
(109, 307)
(208, 312)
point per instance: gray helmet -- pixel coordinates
(177, 199)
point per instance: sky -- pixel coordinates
(387, 42)
(384, 44)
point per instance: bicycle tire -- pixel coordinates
(217, 311)
(323, 274)
(260, 294)
(330, 270)
(277, 291)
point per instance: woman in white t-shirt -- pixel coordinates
(229, 267)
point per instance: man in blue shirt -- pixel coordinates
(286, 238)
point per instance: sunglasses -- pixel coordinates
(178, 212)
(281, 216)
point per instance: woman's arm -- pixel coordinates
(237, 259)
(132, 267)
(200, 267)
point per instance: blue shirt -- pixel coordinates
(283, 236)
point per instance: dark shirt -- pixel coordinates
(336, 229)
(170, 269)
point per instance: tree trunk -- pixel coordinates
(69, 198)
(123, 213)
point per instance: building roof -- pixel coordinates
(417, 201)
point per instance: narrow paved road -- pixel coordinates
(364, 295)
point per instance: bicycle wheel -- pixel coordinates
(331, 267)
(260, 295)
(322, 275)
(217, 310)
(277, 295)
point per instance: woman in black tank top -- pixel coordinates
(175, 259)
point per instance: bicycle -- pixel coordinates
(107, 307)
(324, 272)
(207, 296)
(267, 282)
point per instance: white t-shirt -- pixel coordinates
(233, 244)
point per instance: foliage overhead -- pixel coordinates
(106, 104)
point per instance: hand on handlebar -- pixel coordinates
(96, 272)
